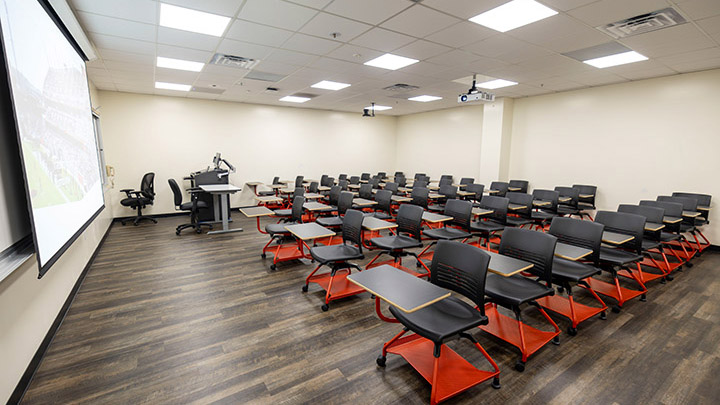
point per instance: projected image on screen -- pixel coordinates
(53, 113)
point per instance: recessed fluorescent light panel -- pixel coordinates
(294, 99)
(496, 84)
(328, 85)
(172, 86)
(513, 15)
(615, 60)
(391, 62)
(194, 21)
(379, 108)
(424, 99)
(179, 64)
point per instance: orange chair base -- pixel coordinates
(620, 294)
(287, 252)
(454, 373)
(660, 264)
(577, 313)
(507, 329)
(341, 287)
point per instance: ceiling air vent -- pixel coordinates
(233, 61)
(641, 24)
(401, 87)
(209, 90)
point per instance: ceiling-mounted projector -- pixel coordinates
(475, 95)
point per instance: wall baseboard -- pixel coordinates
(29, 373)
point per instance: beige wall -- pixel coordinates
(29, 306)
(634, 140)
(441, 142)
(175, 136)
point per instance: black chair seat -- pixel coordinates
(285, 212)
(436, 207)
(486, 226)
(568, 270)
(441, 320)
(648, 244)
(542, 215)
(133, 202)
(687, 228)
(700, 221)
(330, 222)
(585, 206)
(517, 221)
(396, 242)
(378, 215)
(669, 237)
(335, 253)
(274, 229)
(445, 233)
(514, 290)
(567, 210)
(266, 193)
(188, 205)
(618, 257)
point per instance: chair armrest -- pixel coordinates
(129, 192)
(194, 190)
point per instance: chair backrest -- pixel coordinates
(477, 190)
(352, 227)
(703, 200)
(409, 220)
(446, 176)
(425, 178)
(366, 191)
(448, 190)
(299, 191)
(365, 176)
(419, 184)
(586, 189)
(461, 211)
(418, 176)
(354, 179)
(323, 179)
(344, 202)
(342, 177)
(419, 197)
(576, 232)
(392, 187)
(276, 180)
(147, 186)
(313, 187)
(401, 181)
(524, 199)
(461, 268)
(299, 181)
(329, 182)
(570, 192)
(625, 223)
(672, 209)
(521, 184)
(499, 205)
(651, 214)
(343, 184)
(535, 247)
(547, 195)
(467, 180)
(384, 201)
(334, 195)
(382, 175)
(177, 194)
(445, 182)
(501, 186)
(688, 203)
(375, 183)
(399, 173)
(297, 209)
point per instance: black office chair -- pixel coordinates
(342, 177)
(344, 185)
(276, 180)
(401, 181)
(566, 273)
(419, 176)
(419, 197)
(399, 173)
(338, 257)
(456, 228)
(419, 184)
(477, 190)
(521, 216)
(448, 192)
(651, 242)
(327, 181)
(501, 187)
(462, 269)
(522, 185)
(467, 181)
(586, 198)
(375, 183)
(299, 181)
(392, 187)
(382, 175)
(313, 187)
(285, 213)
(445, 182)
(408, 235)
(365, 177)
(278, 233)
(354, 179)
(545, 213)
(492, 223)
(569, 204)
(447, 177)
(192, 206)
(688, 224)
(671, 236)
(383, 208)
(344, 204)
(139, 199)
(703, 205)
(512, 292)
(365, 191)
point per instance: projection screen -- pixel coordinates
(53, 116)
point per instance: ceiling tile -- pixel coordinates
(187, 39)
(484, 64)
(369, 11)
(116, 27)
(668, 41)
(257, 34)
(382, 40)
(560, 33)
(243, 49)
(123, 44)
(454, 58)
(685, 67)
(318, 4)
(176, 52)
(210, 79)
(556, 84)
(698, 9)
(136, 10)
(276, 13)
(291, 57)
(323, 24)
(127, 66)
(461, 34)
(464, 8)
(710, 25)
(565, 5)
(421, 50)
(276, 68)
(109, 54)
(222, 7)
(693, 56)
(647, 73)
(608, 11)
(419, 21)
(175, 76)
(308, 44)
(353, 53)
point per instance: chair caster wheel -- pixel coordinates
(305, 288)
(177, 233)
(325, 307)
(603, 315)
(689, 265)
(560, 290)
(663, 280)
(122, 223)
(135, 223)
(417, 265)
(520, 366)
(496, 383)
(198, 230)
(381, 360)
(669, 278)
(643, 298)
(273, 267)
(616, 309)
(263, 255)
(571, 331)
(556, 340)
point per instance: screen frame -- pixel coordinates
(43, 269)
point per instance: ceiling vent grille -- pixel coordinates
(641, 24)
(233, 61)
(401, 87)
(209, 90)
